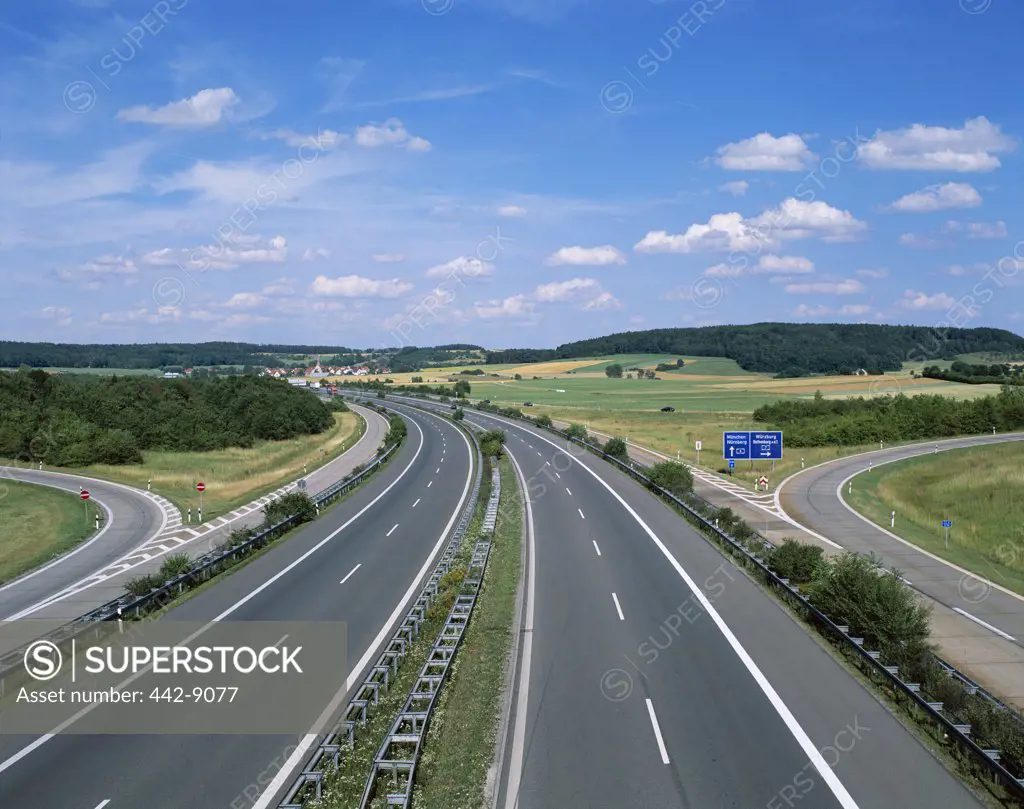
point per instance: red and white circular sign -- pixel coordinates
(200, 487)
(85, 495)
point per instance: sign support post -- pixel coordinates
(947, 524)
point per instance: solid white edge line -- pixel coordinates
(77, 587)
(824, 770)
(962, 570)
(302, 750)
(28, 749)
(517, 755)
(988, 626)
(657, 731)
(350, 573)
(108, 524)
(595, 547)
(618, 608)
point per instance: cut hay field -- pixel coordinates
(981, 489)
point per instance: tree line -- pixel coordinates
(78, 420)
(977, 374)
(794, 349)
(850, 422)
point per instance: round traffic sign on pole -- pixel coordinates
(200, 487)
(85, 495)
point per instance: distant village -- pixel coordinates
(304, 377)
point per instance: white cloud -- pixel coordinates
(604, 300)
(764, 152)
(245, 300)
(939, 198)
(511, 211)
(793, 219)
(937, 148)
(855, 309)
(565, 290)
(792, 264)
(921, 300)
(234, 251)
(355, 286)
(392, 132)
(205, 108)
(843, 286)
(282, 286)
(586, 256)
(312, 255)
(388, 258)
(61, 315)
(323, 140)
(463, 265)
(737, 187)
(512, 306)
(879, 273)
(986, 230)
(917, 240)
(141, 315)
(803, 310)
(107, 265)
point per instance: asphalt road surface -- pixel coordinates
(130, 518)
(654, 673)
(812, 498)
(362, 562)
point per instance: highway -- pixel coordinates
(361, 562)
(132, 543)
(654, 673)
(131, 517)
(813, 497)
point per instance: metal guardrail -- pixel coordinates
(308, 785)
(412, 723)
(203, 568)
(977, 750)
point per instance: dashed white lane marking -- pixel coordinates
(567, 489)
(618, 607)
(437, 470)
(581, 514)
(431, 483)
(103, 803)
(353, 570)
(417, 502)
(395, 528)
(657, 731)
(595, 547)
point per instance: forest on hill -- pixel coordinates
(78, 420)
(790, 349)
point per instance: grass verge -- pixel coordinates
(38, 523)
(981, 489)
(344, 787)
(233, 476)
(460, 743)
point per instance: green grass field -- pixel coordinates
(38, 523)
(232, 476)
(981, 489)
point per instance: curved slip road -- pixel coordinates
(131, 517)
(654, 673)
(813, 498)
(362, 562)
(95, 573)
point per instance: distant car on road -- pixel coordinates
(454, 407)
(527, 404)
(668, 409)
(486, 401)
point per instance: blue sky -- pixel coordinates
(505, 172)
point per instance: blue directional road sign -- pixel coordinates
(947, 523)
(766, 446)
(732, 464)
(736, 445)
